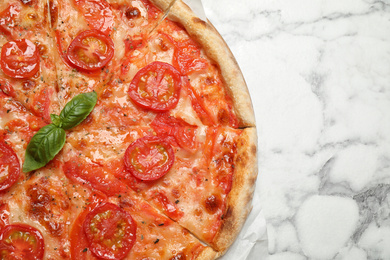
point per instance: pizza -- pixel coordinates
(126, 132)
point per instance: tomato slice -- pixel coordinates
(9, 166)
(93, 175)
(170, 208)
(156, 87)
(21, 242)
(184, 134)
(78, 241)
(19, 59)
(90, 50)
(97, 13)
(110, 231)
(187, 57)
(149, 158)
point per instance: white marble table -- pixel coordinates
(319, 76)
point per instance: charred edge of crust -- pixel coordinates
(216, 48)
(207, 254)
(239, 202)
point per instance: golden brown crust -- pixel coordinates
(240, 197)
(207, 254)
(217, 50)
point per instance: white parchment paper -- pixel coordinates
(251, 243)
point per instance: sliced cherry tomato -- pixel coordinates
(19, 59)
(21, 242)
(149, 158)
(110, 231)
(93, 175)
(183, 133)
(7, 19)
(78, 241)
(97, 13)
(90, 50)
(9, 166)
(156, 87)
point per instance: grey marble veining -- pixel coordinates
(319, 76)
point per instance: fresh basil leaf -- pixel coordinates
(55, 119)
(43, 147)
(78, 109)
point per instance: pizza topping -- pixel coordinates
(20, 241)
(46, 206)
(149, 158)
(19, 59)
(90, 50)
(7, 89)
(42, 148)
(187, 57)
(7, 19)
(169, 207)
(53, 9)
(212, 204)
(156, 87)
(97, 13)
(77, 110)
(110, 231)
(28, 84)
(132, 12)
(9, 166)
(178, 132)
(50, 139)
(93, 175)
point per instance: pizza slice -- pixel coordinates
(34, 207)
(27, 60)
(198, 176)
(117, 223)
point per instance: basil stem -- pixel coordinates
(43, 146)
(77, 109)
(55, 119)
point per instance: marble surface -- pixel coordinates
(319, 75)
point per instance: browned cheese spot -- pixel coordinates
(42, 207)
(42, 49)
(132, 13)
(212, 204)
(223, 117)
(106, 93)
(28, 84)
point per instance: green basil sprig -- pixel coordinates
(50, 139)
(77, 110)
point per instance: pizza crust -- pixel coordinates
(239, 202)
(207, 254)
(216, 48)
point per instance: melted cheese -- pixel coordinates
(185, 111)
